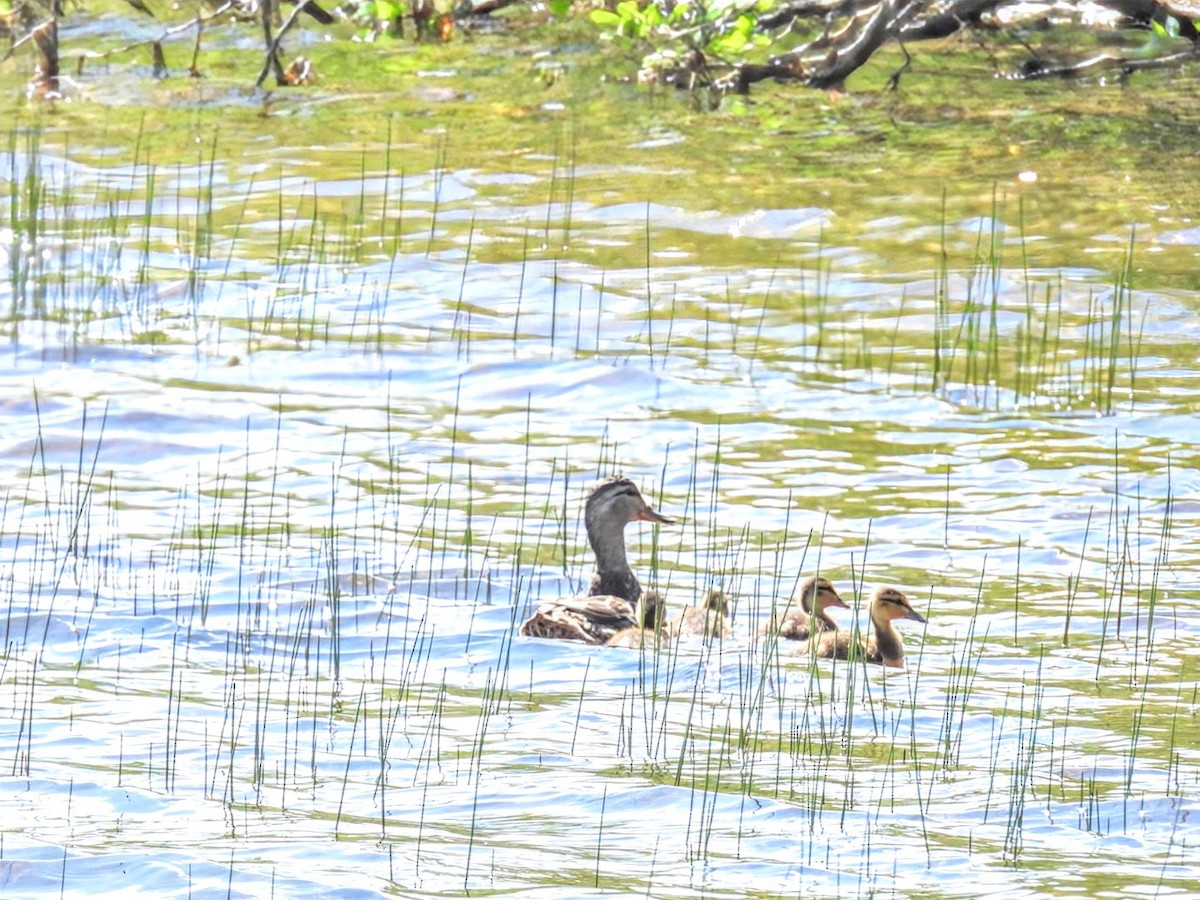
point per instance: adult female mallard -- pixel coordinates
(886, 647)
(608, 605)
(817, 595)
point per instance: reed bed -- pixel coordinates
(310, 633)
(84, 254)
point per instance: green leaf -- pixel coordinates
(733, 42)
(603, 17)
(628, 9)
(559, 8)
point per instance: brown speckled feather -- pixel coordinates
(592, 620)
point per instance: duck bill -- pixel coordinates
(915, 616)
(837, 603)
(649, 515)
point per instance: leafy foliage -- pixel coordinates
(724, 28)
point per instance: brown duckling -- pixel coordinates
(651, 614)
(608, 606)
(708, 621)
(817, 595)
(886, 647)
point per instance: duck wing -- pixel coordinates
(592, 620)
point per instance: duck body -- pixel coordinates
(593, 620)
(817, 595)
(886, 647)
(708, 621)
(609, 605)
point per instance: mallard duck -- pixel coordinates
(608, 605)
(708, 621)
(610, 506)
(651, 613)
(886, 647)
(816, 595)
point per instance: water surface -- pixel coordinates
(295, 438)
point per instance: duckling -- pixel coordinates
(608, 605)
(708, 621)
(816, 596)
(651, 613)
(886, 648)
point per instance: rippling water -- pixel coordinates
(269, 524)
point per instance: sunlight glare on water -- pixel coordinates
(269, 526)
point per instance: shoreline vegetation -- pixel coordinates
(708, 48)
